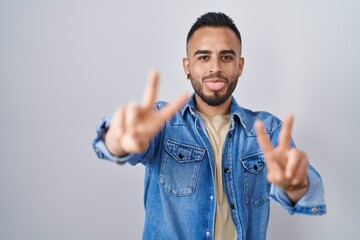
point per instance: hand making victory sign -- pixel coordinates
(134, 125)
(286, 166)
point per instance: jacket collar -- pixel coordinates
(236, 112)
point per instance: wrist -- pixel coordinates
(298, 191)
(114, 149)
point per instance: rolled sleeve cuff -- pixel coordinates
(99, 141)
(103, 153)
(312, 203)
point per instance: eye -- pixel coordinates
(203, 58)
(227, 58)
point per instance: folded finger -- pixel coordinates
(300, 173)
(118, 121)
(131, 112)
(292, 164)
(275, 173)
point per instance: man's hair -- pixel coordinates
(214, 19)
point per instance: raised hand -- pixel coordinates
(134, 125)
(286, 167)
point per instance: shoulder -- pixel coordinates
(160, 104)
(249, 117)
(177, 119)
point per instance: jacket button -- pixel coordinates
(230, 135)
(232, 206)
(226, 170)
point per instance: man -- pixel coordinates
(211, 165)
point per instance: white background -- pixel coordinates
(65, 64)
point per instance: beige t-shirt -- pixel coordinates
(217, 127)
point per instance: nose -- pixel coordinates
(215, 66)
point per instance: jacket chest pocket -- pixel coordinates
(180, 168)
(255, 183)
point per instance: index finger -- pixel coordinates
(169, 110)
(285, 132)
(150, 92)
(262, 137)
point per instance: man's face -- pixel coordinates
(213, 63)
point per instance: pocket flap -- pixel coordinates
(253, 163)
(184, 152)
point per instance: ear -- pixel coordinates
(186, 66)
(241, 65)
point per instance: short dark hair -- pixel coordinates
(214, 19)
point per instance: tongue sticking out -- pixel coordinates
(215, 86)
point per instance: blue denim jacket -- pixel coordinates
(179, 195)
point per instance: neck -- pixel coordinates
(212, 111)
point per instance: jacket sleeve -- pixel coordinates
(312, 202)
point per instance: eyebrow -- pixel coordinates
(232, 52)
(202, 52)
